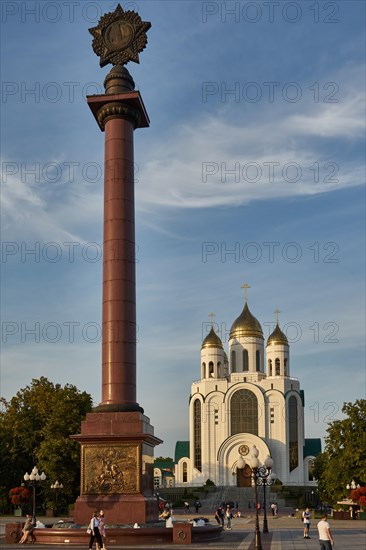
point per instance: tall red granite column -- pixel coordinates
(119, 281)
(118, 113)
(117, 439)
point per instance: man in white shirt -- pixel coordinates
(325, 536)
(306, 520)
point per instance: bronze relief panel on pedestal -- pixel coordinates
(110, 469)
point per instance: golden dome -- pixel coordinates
(246, 325)
(212, 340)
(277, 337)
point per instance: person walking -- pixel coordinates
(306, 520)
(102, 532)
(94, 532)
(229, 517)
(325, 536)
(219, 516)
(186, 507)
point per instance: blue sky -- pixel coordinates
(252, 171)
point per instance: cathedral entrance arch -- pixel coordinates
(244, 476)
(231, 450)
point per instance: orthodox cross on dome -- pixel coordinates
(119, 37)
(245, 286)
(277, 312)
(212, 315)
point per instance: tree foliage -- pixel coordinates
(35, 426)
(343, 459)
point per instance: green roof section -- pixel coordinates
(312, 447)
(181, 450)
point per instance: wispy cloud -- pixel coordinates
(218, 162)
(47, 211)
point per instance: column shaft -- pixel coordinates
(119, 294)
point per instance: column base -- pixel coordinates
(117, 468)
(118, 509)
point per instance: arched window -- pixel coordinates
(258, 360)
(293, 430)
(197, 419)
(311, 470)
(184, 472)
(203, 370)
(219, 373)
(278, 367)
(286, 367)
(244, 412)
(233, 361)
(269, 367)
(245, 360)
(210, 369)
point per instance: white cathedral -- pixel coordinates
(251, 399)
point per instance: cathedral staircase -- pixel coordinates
(243, 496)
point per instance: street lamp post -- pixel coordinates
(56, 487)
(351, 487)
(257, 533)
(265, 477)
(32, 479)
(261, 475)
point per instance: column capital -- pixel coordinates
(128, 106)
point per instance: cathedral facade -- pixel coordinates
(244, 399)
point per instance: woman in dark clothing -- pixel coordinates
(94, 532)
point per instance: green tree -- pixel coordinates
(344, 455)
(35, 426)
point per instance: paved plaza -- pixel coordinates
(285, 533)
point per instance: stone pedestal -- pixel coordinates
(116, 468)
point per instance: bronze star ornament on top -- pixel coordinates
(119, 37)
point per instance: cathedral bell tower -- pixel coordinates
(246, 343)
(213, 357)
(277, 353)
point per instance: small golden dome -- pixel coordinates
(277, 337)
(246, 325)
(212, 340)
